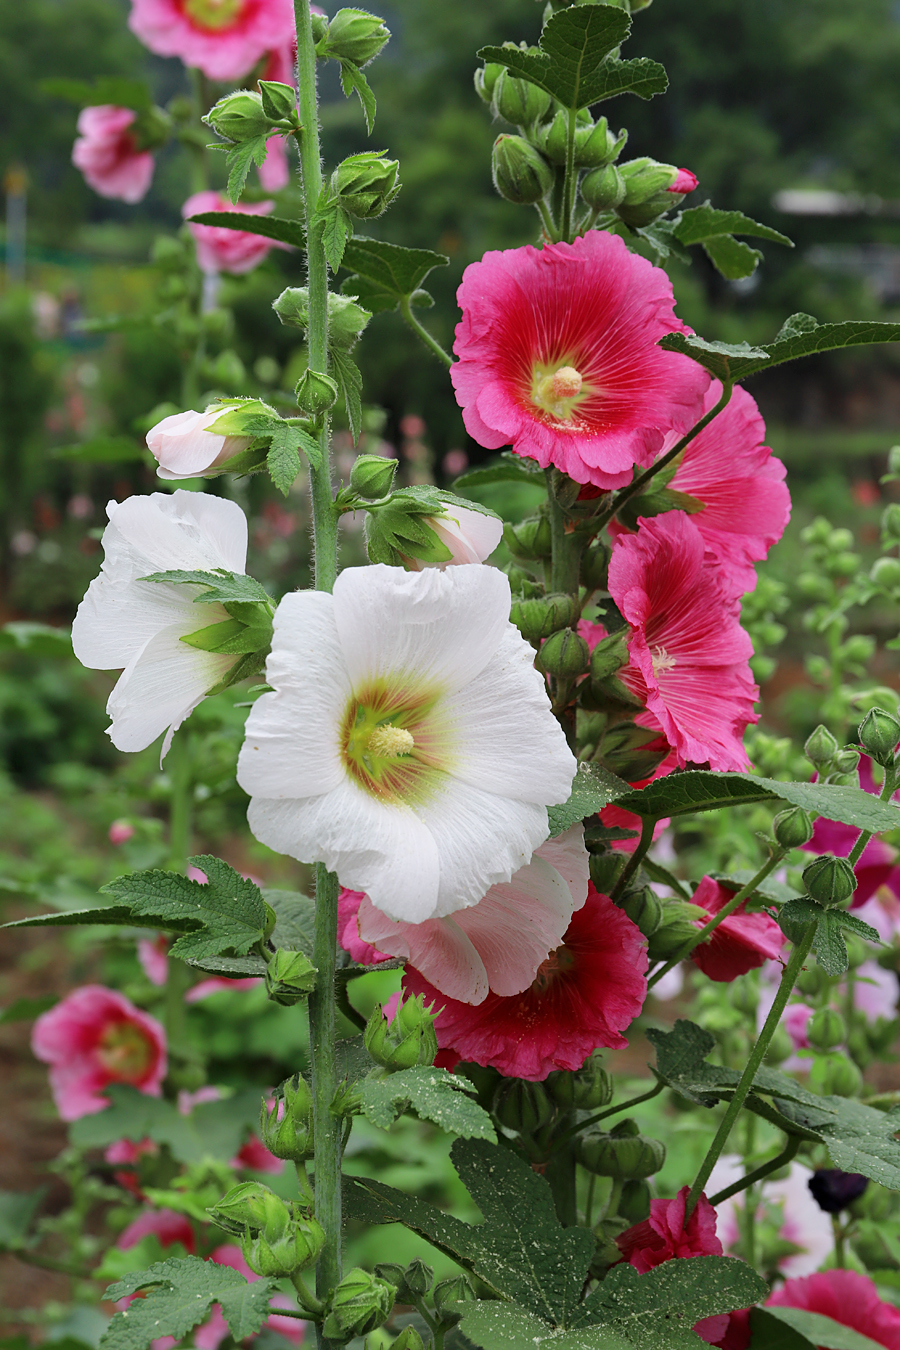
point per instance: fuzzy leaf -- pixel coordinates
(111, 915)
(224, 587)
(592, 788)
(346, 372)
(434, 1094)
(794, 340)
(732, 257)
(353, 78)
(698, 224)
(283, 459)
(335, 226)
(179, 1295)
(270, 227)
(392, 273)
(811, 1329)
(239, 161)
(212, 1130)
(724, 360)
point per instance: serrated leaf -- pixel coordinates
(239, 161)
(353, 78)
(213, 1129)
(283, 459)
(179, 1295)
(790, 345)
(521, 1250)
(732, 257)
(592, 788)
(346, 372)
(335, 227)
(434, 1094)
(642, 77)
(507, 471)
(508, 1326)
(270, 227)
(17, 1211)
(112, 915)
(724, 360)
(697, 224)
(115, 89)
(815, 1330)
(295, 922)
(224, 587)
(393, 273)
(676, 1291)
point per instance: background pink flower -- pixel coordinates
(214, 1331)
(223, 38)
(741, 942)
(274, 172)
(166, 1224)
(221, 250)
(95, 1037)
(106, 152)
(848, 1298)
(878, 866)
(348, 929)
(558, 357)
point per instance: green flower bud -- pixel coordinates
(879, 733)
(553, 138)
(298, 1247)
(890, 522)
(812, 981)
(409, 1339)
(595, 566)
(565, 654)
(829, 880)
(609, 655)
(611, 1155)
(540, 617)
(793, 828)
(529, 538)
(254, 1206)
(835, 1075)
(596, 145)
(316, 393)
(239, 117)
(366, 184)
(644, 909)
(359, 1304)
(354, 35)
(587, 1089)
(519, 101)
(520, 173)
(372, 476)
(279, 101)
(821, 747)
(678, 924)
(885, 573)
(408, 1040)
(418, 1278)
(780, 1046)
(521, 1105)
(634, 1204)
(646, 178)
(846, 760)
(346, 319)
(606, 868)
(449, 1292)
(826, 1029)
(603, 189)
(486, 77)
(286, 1129)
(290, 977)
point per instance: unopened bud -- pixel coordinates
(239, 117)
(448, 1293)
(644, 909)
(890, 522)
(606, 868)
(609, 655)
(678, 925)
(597, 145)
(540, 617)
(521, 1105)
(646, 186)
(366, 184)
(520, 173)
(486, 77)
(286, 1128)
(811, 981)
(346, 319)
(780, 1046)
(846, 760)
(418, 1277)
(409, 1339)
(603, 189)
(290, 977)
(519, 101)
(633, 1156)
(354, 35)
(879, 733)
(885, 573)
(298, 1247)
(826, 1029)
(251, 1205)
(529, 538)
(406, 1041)
(564, 654)
(835, 1074)
(829, 880)
(279, 101)
(595, 566)
(359, 1304)
(553, 137)
(316, 393)
(372, 476)
(793, 828)
(585, 1089)
(821, 747)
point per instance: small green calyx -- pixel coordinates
(366, 184)
(407, 1041)
(239, 117)
(359, 1304)
(287, 1129)
(353, 35)
(290, 977)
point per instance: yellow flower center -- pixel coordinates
(558, 390)
(390, 745)
(390, 742)
(213, 13)
(125, 1052)
(557, 963)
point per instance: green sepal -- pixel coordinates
(353, 78)
(239, 161)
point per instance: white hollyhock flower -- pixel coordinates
(498, 944)
(408, 744)
(185, 448)
(125, 621)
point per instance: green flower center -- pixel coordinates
(558, 389)
(125, 1052)
(213, 13)
(558, 963)
(390, 744)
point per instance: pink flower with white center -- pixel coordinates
(95, 1037)
(558, 357)
(223, 250)
(184, 447)
(223, 38)
(107, 154)
(848, 1298)
(741, 942)
(687, 653)
(471, 537)
(746, 504)
(584, 995)
(499, 944)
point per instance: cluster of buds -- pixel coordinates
(245, 114)
(366, 184)
(317, 392)
(406, 1041)
(440, 1307)
(286, 1127)
(360, 1303)
(275, 1240)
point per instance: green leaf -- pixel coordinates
(38, 639)
(703, 790)
(24, 1009)
(592, 788)
(794, 340)
(732, 257)
(698, 224)
(113, 89)
(179, 1296)
(346, 372)
(229, 910)
(817, 1329)
(520, 1250)
(213, 1130)
(508, 1326)
(270, 227)
(353, 78)
(283, 459)
(296, 920)
(724, 360)
(111, 915)
(333, 223)
(434, 1094)
(572, 64)
(392, 273)
(221, 586)
(769, 1332)
(516, 470)
(17, 1211)
(239, 160)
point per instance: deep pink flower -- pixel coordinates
(256, 1157)
(214, 1331)
(223, 38)
(166, 1224)
(274, 172)
(740, 943)
(107, 154)
(348, 929)
(739, 481)
(687, 651)
(120, 831)
(584, 995)
(685, 181)
(847, 1297)
(558, 357)
(221, 250)
(95, 1037)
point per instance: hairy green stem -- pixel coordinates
(422, 332)
(570, 180)
(547, 221)
(787, 1154)
(757, 1054)
(323, 1047)
(636, 858)
(610, 1111)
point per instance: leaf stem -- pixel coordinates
(570, 179)
(547, 221)
(788, 1153)
(634, 862)
(887, 791)
(610, 1111)
(422, 332)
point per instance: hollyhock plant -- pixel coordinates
(687, 653)
(558, 358)
(499, 944)
(741, 942)
(223, 38)
(126, 621)
(221, 250)
(95, 1037)
(584, 995)
(848, 1298)
(408, 743)
(471, 537)
(184, 447)
(877, 871)
(107, 154)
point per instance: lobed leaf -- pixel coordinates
(676, 1291)
(270, 227)
(239, 161)
(808, 1329)
(434, 1094)
(348, 376)
(391, 273)
(593, 788)
(795, 339)
(179, 1294)
(335, 226)
(697, 224)
(732, 258)
(512, 470)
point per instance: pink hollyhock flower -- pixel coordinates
(95, 1037)
(584, 995)
(255, 1156)
(558, 357)
(685, 181)
(221, 250)
(107, 154)
(846, 1297)
(223, 38)
(497, 946)
(746, 504)
(120, 831)
(741, 942)
(166, 1224)
(878, 866)
(129, 1152)
(274, 172)
(153, 956)
(183, 445)
(348, 929)
(687, 653)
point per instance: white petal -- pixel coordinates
(438, 948)
(436, 628)
(567, 853)
(505, 739)
(118, 617)
(470, 535)
(292, 743)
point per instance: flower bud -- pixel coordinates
(793, 828)
(634, 1204)
(829, 880)
(540, 617)
(449, 1292)
(521, 1105)
(486, 77)
(603, 189)
(519, 101)
(239, 117)
(811, 981)
(359, 1304)
(846, 761)
(298, 1247)
(408, 1040)
(833, 1190)
(885, 573)
(595, 566)
(879, 733)
(251, 1205)
(286, 1129)
(354, 35)
(279, 101)
(678, 924)
(564, 654)
(316, 393)
(826, 1029)
(609, 655)
(596, 145)
(520, 173)
(645, 179)
(418, 1278)
(529, 538)
(586, 1089)
(821, 747)
(366, 184)
(890, 522)
(409, 1339)
(835, 1075)
(552, 138)
(346, 319)
(612, 1155)
(372, 476)
(606, 868)
(644, 909)
(290, 977)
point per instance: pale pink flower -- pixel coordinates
(222, 250)
(687, 651)
(223, 38)
(274, 172)
(348, 930)
(741, 942)
(106, 152)
(558, 357)
(786, 1203)
(471, 537)
(95, 1037)
(153, 956)
(120, 831)
(848, 1298)
(184, 447)
(215, 984)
